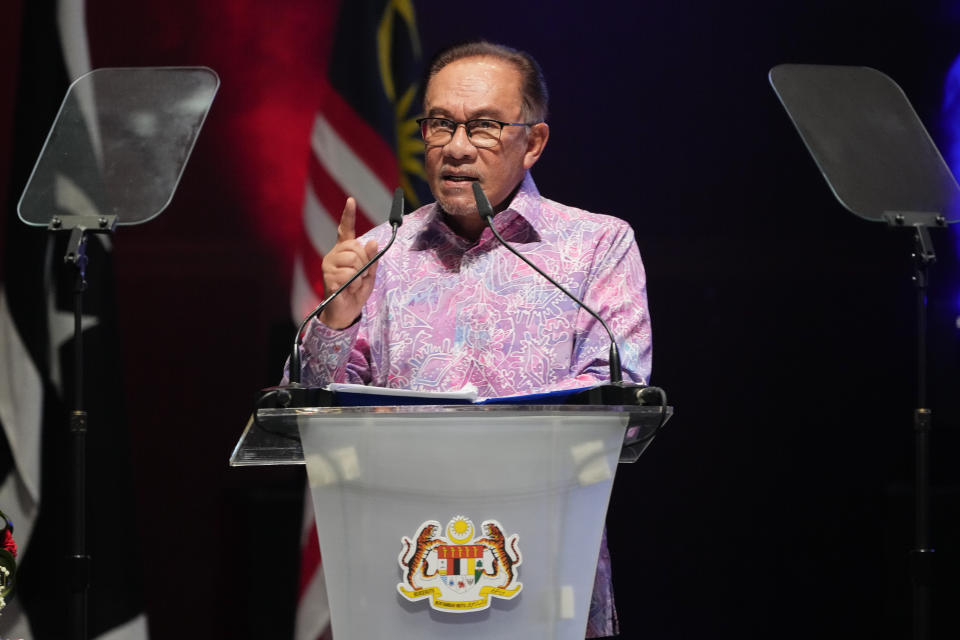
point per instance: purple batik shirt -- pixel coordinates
(445, 312)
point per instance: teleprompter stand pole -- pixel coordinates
(922, 554)
(78, 560)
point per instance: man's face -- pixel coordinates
(479, 88)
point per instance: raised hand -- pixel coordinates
(340, 263)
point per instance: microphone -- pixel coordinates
(486, 212)
(395, 219)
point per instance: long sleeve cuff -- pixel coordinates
(326, 352)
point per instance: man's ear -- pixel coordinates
(536, 141)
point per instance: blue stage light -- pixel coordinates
(951, 127)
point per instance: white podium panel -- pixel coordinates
(377, 475)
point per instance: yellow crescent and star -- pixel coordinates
(409, 145)
(460, 530)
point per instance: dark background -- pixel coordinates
(777, 503)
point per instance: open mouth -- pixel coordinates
(453, 178)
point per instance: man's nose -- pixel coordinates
(460, 145)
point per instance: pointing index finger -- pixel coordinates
(348, 220)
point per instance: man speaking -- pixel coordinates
(449, 305)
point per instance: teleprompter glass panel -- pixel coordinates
(119, 144)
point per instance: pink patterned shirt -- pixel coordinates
(445, 312)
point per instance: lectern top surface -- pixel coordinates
(274, 439)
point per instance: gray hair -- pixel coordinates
(533, 86)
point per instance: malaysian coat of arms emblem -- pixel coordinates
(460, 572)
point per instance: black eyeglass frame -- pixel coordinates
(456, 125)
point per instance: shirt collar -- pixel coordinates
(517, 223)
(526, 202)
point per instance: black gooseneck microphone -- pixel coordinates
(486, 212)
(395, 219)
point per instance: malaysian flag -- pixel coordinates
(364, 143)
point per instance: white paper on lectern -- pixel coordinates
(467, 392)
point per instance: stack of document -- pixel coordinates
(359, 395)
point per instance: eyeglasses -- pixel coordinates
(482, 132)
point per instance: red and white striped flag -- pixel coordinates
(364, 143)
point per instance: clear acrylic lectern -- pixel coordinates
(467, 521)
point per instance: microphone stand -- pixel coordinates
(486, 212)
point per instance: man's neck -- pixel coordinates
(470, 227)
(467, 227)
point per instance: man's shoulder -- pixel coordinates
(563, 216)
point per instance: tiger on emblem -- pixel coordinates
(426, 541)
(503, 555)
